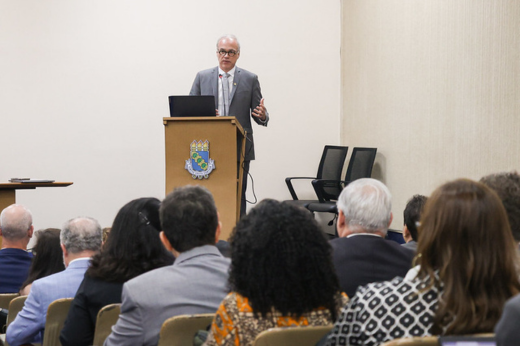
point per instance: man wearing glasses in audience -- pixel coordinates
(237, 93)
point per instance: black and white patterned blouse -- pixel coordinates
(383, 311)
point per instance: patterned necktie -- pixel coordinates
(225, 92)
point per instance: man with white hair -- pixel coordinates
(16, 229)
(362, 254)
(80, 239)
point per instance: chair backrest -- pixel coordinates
(330, 168)
(292, 336)
(15, 306)
(106, 318)
(5, 299)
(56, 315)
(361, 163)
(180, 330)
(418, 341)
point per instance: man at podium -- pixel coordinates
(237, 93)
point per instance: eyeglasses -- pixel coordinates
(230, 53)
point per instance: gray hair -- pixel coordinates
(233, 37)
(15, 221)
(81, 234)
(367, 205)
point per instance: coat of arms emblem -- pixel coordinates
(199, 165)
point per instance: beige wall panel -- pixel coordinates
(435, 86)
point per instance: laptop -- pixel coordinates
(467, 341)
(192, 106)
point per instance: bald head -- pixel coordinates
(16, 223)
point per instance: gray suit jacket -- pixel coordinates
(245, 96)
(506, 330)
(195, 284)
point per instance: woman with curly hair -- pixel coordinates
(132, 248)
(281, 275)
(47, 260)
(468, 269)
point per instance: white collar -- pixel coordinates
(372, 234)
(231, 72)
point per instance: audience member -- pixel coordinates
(48, 257)
(467, 272)
(412, 215)
(16, 230)
(361, 255)
(133, 247)
(196, 282)
(281, 276)
(507, 331)
(507, 187)
(80, 239)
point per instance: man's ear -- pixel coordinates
(406, 231)
(391, 218)
(165, 241)
(341, 224)
(219, 228)
(65, 252)
(30, 232)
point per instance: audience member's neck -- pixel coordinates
(74, 256)
(15, 244)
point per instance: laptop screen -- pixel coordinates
(192, 106)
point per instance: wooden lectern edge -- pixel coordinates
(233, 120)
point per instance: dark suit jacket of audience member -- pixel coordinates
(14, 268)
(506, 330)
(364, 258)
(92, 295)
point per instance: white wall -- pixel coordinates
(435, 85)
(84, 86)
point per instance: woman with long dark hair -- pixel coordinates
(47, 260)
(281, 275)
(468, 269)
(133, 247)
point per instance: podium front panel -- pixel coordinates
(221, 133)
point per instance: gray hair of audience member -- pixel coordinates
(15, 221)
(81, 234)
(233, 37)
(507, 186)
(367, 205)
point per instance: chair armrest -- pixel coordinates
(320, 184)
(290, 186)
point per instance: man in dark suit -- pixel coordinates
(361, 255)
(16, 229)
(237, 93)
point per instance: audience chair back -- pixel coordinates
(106, 318)
(5, 299)
(419, 341)
(330, 168)
(292, 336)
(15, 306)
(56, 315)
(180, 330)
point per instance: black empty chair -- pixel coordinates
(330, 168)
(328, 191)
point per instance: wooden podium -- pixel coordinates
(8, 191)
(223, 135)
